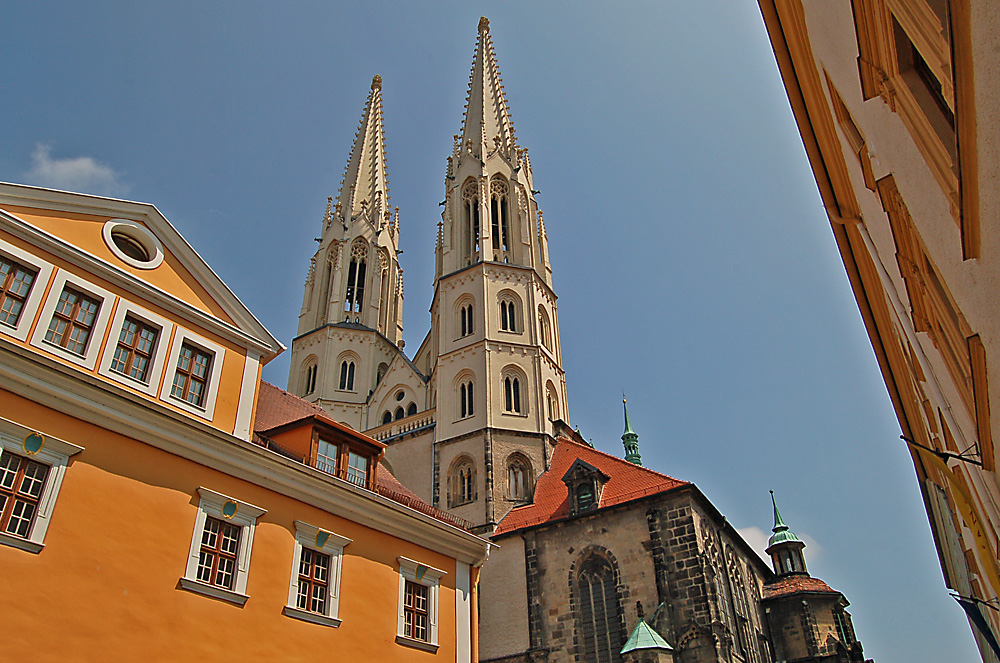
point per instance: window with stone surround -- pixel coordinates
(597, 615)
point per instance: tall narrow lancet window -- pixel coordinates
(500, 224)
(347, 375)
(508, 315)
(356, 279)
(597, 616)
(518, 478)
(470, 204)
(544, 328)
(461, 482)
(465, 315)
(512, 394)
(465, 395)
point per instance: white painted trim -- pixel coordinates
(155, 372)
(138, 233)
(248, 390)
(35, 294)
(308, 536)
(246, 516)
(463, 613)
(206, 411)
(55, 453)
(96, 339)
(429, 577)
(249, 329)
(113, 408)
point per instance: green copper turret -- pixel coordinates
(631, 440)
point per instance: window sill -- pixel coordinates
(199, 587)
(311, 617)
(18, 542)
(188, 405)
(416, 644)
(523, 415)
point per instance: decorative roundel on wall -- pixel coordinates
(133, 244)
(230, 508)
(399, 395)
(33, 443)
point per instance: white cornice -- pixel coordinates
(15, 194)
(84, 397)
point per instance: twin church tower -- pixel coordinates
(471, 419)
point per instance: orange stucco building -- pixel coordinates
(159, 500)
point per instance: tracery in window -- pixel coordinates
(499, 214)
(461, 482)
(598, 618)
(465, 320)
(510, 312)
(470, 215)
(466, 399)
(519, 477)
(354, 299)
(512, 394)
(347, 375)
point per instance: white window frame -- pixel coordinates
(55, 453)
(309, 536)
(156, 364)
(211, 505)
(34, 300)
(97, 330)
(182, 336)
(138, 233)
(429, 577)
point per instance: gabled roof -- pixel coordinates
(366, 178)
(797, 584)
(626, 482)
(644, 637)
(486, 113)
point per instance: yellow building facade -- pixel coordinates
(159, 500)
(897, 105)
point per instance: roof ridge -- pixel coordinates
(623, 462)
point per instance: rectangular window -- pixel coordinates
(191, 378)
(72, 321)
(357, 469)
(314, 580)
(15, 283)
(21, 484)
(326, 457)
(415, 611)
(134, 352)
(220, 543)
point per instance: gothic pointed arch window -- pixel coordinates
(741, 608)
(380, 372)
(519, 477)
(464, 307)
(597, 612)
(399, 413)
(411, 409)
(513, 384)
(552, 401)
(461, 482)
(544, 328)
(510, 311)
(310, 372)
(466, 399)
(500, 216)
(386, 417)
(470, 217)
(348, 367)
(355, 296)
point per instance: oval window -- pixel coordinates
(129, 246)
(133, 244)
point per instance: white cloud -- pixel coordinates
(757, 538)
(81, 174)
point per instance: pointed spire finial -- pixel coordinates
(779, 524)
(630, 439)
(366, 180)
(484, 24)
(377, 82)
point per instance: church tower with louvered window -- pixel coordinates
(350, 325)
(471, 419)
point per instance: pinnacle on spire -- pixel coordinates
(779, 524)
(784, 547)
(487, 123)
(630, 439)
(366, 180)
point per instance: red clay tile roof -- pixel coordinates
(796, 584)
(627, 482)
(276, 407)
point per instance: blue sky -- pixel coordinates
(695, 266)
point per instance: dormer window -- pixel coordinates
(585, 484)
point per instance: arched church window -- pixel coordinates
(519, 479)
(744, 629)
(510, 312)
(312, 369)
(411, 409)
(544, 328)
(399, 414)
(465, 319)
(465, 397)
(347, 375)
(354, 299)
(386, 417)
(598, 617)
(461, 482)
(499, 217)
(512, 394)
(552, 401)
(470, 205)
(380, 373)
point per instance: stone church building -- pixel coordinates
(598, 558)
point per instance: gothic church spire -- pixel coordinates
(487, 125)
(365, 187)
